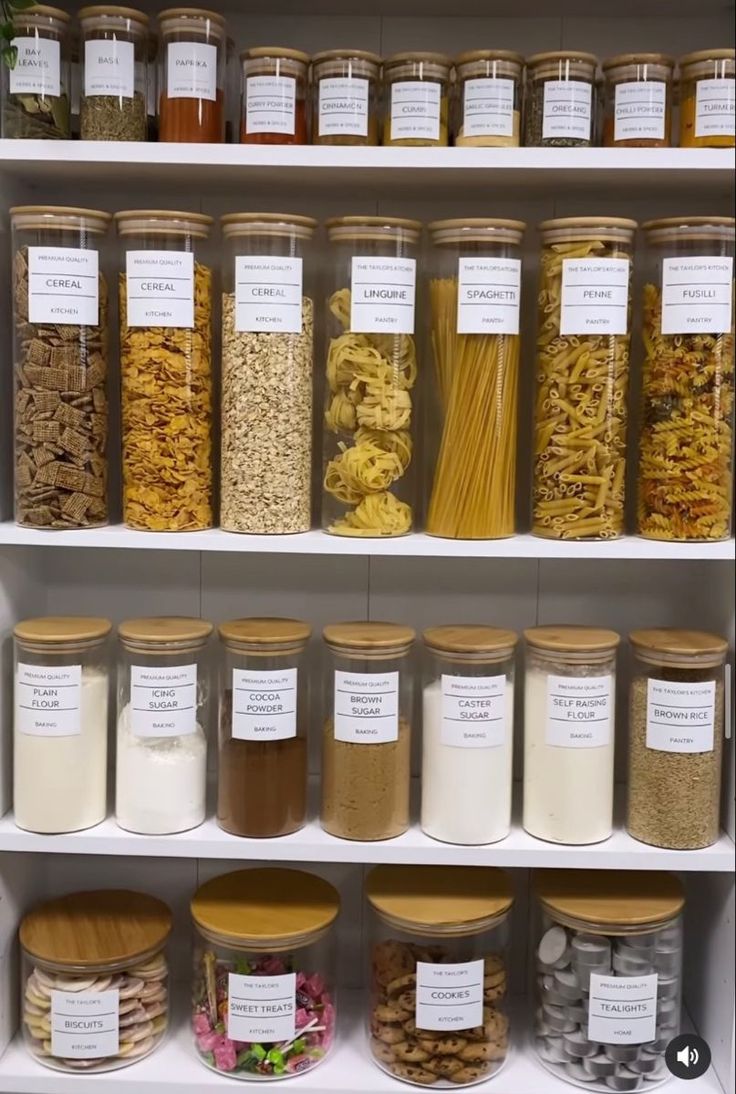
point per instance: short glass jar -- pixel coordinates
(601, 937)
(638, 100)
(417, 95)
(192, 76)
(489, 85)
(345, 88)
(708, 99)
(94, 980)
(569, 730)
(560, 107)
(114, 47)
(275, 88)
(36, 90)
(264, 721)
(262, 936)
(439, 934)
(366, 743)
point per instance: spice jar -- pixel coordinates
(166, 371)
(676, 727)
(474, 296)
(115, 48)
(60, 723)
(264, 718)
(95, 994)
(638, 100)
(488, 99)
(35, 91)
(468, 733)
(603, 939)
(560, 99)
(371, 371)
(366, 744)
(264, 964)
(275, 88)
(439, 950)
(192, 76)
(708, 99)
(267, 362)
(60, 376)
(685, 470)
(345, 84)
(417, 88)
(582, 377)
(569, 725)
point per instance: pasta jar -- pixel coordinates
(267, 373)
(275, 91)
(162, 723)
(264, 720)
(36, 90)
(417, 89)
(366, 744)
(569, 727)
(166, 371)
(439, 971)
(708, 99)
(638, 100)
(582, 378)
(264, 965)
(94, 981)
(468, 733)
(560, 99)
(685, 471)
(345, 85)
(371, 371)
(192, 76)
(474, 296)
(113, 94)
(488, 99)
(676, 726)
(60, 375)
(603, 938)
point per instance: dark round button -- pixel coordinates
(687, 1056)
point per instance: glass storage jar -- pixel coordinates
(36, 90)
(489, 85)
(638, 100)
(582, 377)
(439, 968)
(366, 743)
(560, 107)
(94, 981)
(685, 471)
(371, 371)
(60, 723)
(267, 373)
(192, 76)
(708, 99)
(262, 936)
(474, 296)
(468, 733)
(603, 937)
(345, 87)
(166, 371)
(114, 42)
(162, 724)
(275, 93)
(569, 728)
(417, 93)
(60, 375)
(264, 722)
(676, 725)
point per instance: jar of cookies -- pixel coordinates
(439, 956)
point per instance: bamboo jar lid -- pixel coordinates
(59, 218)
(568, 638)
(386, 639)
(71, 631)
(668, 645)
(261, 633)
(471, 639)
(286, 225)
(183, 632)
(432, 900)
(617, 901)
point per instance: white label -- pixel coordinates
(639, 111)
(382, 295)
(595, 296)
(343, 107)
(622, 1009)
(714, 108)
(697, 295)
(264, 705)
(488, 295)
(47, 700)
(261, 1008)
(84, 1025)
(63, 286)
(37, 69)
(191, 71)
(568, 110)
(366, 707)
(473, 711)
(681, 717)
(163, 701)
(449, 996)
(109, 68)
(268, 294)
(488, 110)
(579, 711)
(270, 104)
(415, 110)
(160, 288)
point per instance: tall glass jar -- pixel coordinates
(345, 89)
(267, 373)
(36, 90)
(166, 371)
(371, 371)
(708, 99)
(162, 724)
(676, 725)
(601, 938)
(60, 375)
(264, 965)
(417, 93)
(275, 95)
(569, 729)
(560, 105)
(264, 721)
(489, 85)
(192, 76)
(366, 744)
(474, 296)
(685, 471)
(439, 947)
(113, 93)
(60, 723)
(582, 378)
(468, 733)
(638, 100)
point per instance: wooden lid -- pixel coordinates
(276, 52)
(690, 228)
(166, 630)
(617, 901)
(458, 900)
(280, 224)
(59, 217)
(42, 10)
(471, 55)
(668, 644)
(346, 55)
(277, 634)
(427, 57)
(624, 59)
(595, 228)
(191, 13)
(562, 55)
(57, 630)
(477, 230)
(568, 638)
(707, 55)
(385, 638)
(103, 11)
(470, 638)
(162, 222)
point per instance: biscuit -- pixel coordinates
(470, 1074)
(391, 1012)
(413, 1073)
(444, 1067)
(390, 1035)
(407, 1001)
(391, 960)
(411, 1052)
(408, 980)
(443, 1046)
(479, 1053)
(382, 1052)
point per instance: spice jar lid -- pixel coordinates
(346, 55)
(372, 227)
(563, 229)
(275, 224)
(622, 60)
(162, 222)
(181, 632)
(191, 13)
(477, 230)
(471, 639)
(569, 638)
(471, 55)
(433, 900)
(561, 55)
(59, 218)
(680, 228)
(104, 12)
(276, 52)
(668, 645)
(617, 901)
(385, 639)
(74, 631)
(707, 55)
(261, 633)
(42, 11)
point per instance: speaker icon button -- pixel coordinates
(687, 1056)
